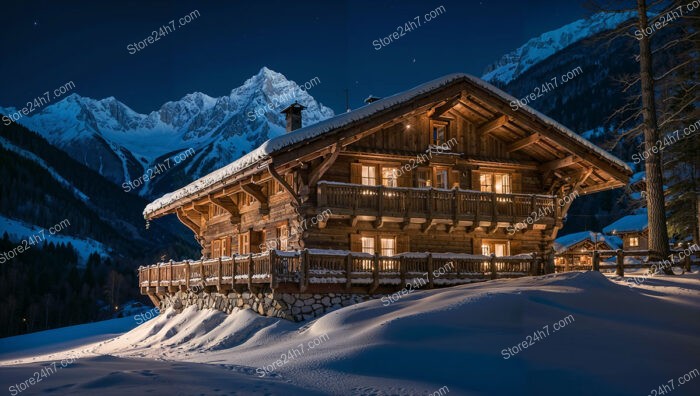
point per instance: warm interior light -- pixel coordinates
(408, 126)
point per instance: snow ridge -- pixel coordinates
(515, 63)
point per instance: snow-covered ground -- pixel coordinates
(604, 338)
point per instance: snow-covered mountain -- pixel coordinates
(514, 63)
(121, 144)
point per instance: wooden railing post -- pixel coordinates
(251, 269)
(533, 204)
(170, 271)
(202, 279)
(492, 265)
(187, 274)
(158, 271)
(620, 262)
(533, 264)
(380, 203)
(273, 269)
(596, 261)
(430, 203)
(494, 207)
(148, 275)
(402, 270)
(348, 271)
(430, 271)
(375, 271)
(218, 274)
(304, 271)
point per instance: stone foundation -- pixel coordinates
(291, 306)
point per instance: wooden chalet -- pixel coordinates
(633, 230)
(573, 251)
(446, 167)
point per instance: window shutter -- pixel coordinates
(516, 180)
(356, 173)
(402, 244)
(228, 241)
(255, 241)
(476, 183)
(355, 243)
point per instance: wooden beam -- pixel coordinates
(524, 142)
(255, 191)
(559, 163)
(226, 203)
(441, 109)
(492, 125)
(317, 173)
(189, 223)
(283, 183)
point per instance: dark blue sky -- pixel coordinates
(45, 45)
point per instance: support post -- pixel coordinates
(170, 272)
(596, 261)
(430, 271)
(620, 262)
(492, 265)
(550, 263)
(158, 270)
(148, 273)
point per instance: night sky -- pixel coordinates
(45, 45)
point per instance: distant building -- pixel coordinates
(573, 251)
(632, 229)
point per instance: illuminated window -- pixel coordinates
(388, 246)
(369, 175)
(485, 180)
(368, 245)
(499, 183)
(441, 179)
(499, 248)
(390, 177)
(423, 178)
(634, 241)
(486, 249)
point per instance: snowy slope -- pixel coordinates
(19, 231)
(513, 64)
(120, 143)
(621, 341)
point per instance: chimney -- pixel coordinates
(371, 99)
(293, 113)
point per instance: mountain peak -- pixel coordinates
(514, 63)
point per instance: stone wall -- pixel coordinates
(291, 306)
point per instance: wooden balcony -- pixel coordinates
(420, 205)
(332, 271)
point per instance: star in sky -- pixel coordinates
(36, 23)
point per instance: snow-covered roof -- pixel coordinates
(631, 223)
(563, 243)
(303, 134)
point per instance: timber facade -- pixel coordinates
(445, 168)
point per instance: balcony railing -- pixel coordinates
(434, 203)
(340, 270)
